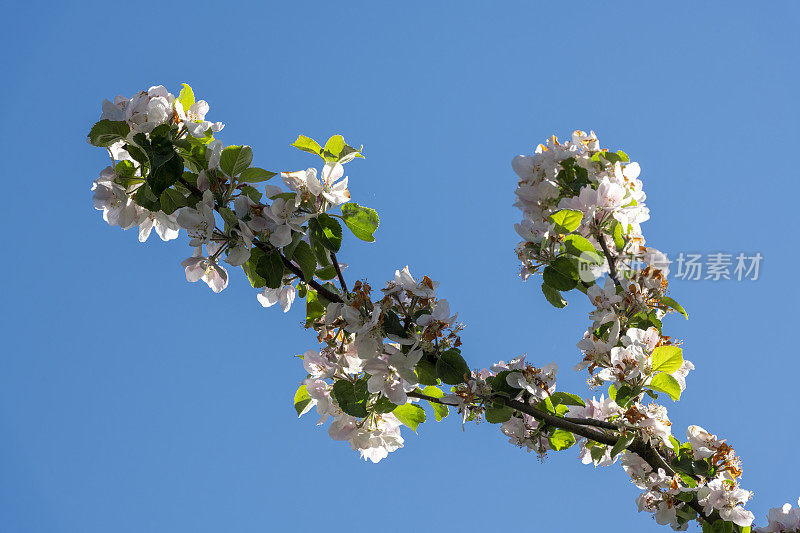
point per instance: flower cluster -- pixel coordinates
(375, 354)
(582, 212)
(169, 173)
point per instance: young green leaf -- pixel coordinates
(314, 308)
(186, 97)
(362, 221)
(439, 411)
(561, 440)
(669, 302)
(411, 415)
(333, 148)
(619, 240)
(566, 220)
(307, 144)
(578, 244)
(667, 359)
(665, 383)
(302, 401)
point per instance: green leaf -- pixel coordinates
(166, 175)
(349, 153)
(623, 156)
(186, 97)
(561, 440)
(667, 384)
(326, 273)
(251, 270)
(158, 149)
(362, 221)
(314, 308)
(577, 245)
(500, 385)
(107, 132)
(498, 415)
(351, 397)
(622, 443)
(553, 296)
(558, 280)
(439, 411)
(272, 269)
(546, 405)
(565, 398)
(624, 395)
(667, 359)
(411, 415)
(320, 252)
(566, 220)
(612, 392)
(264, 269)
(172, 200)
(669, 302)
(333, 148)
(146, 198)
(235, 160)
(307, 144)
(126, 169)
(451, 367)
(383, 405)
(304, 257)
(256, 175)
(288, 250)
(392, 324)
(597, 452)
(251, 192)
(327, 231)
(426, 372)
(302, 401)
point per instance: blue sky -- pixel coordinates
(133, 401)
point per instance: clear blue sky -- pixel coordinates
(133, 401)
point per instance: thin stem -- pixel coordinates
(415, 394)
(322, 291)
(339, 273)
(612, 267)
